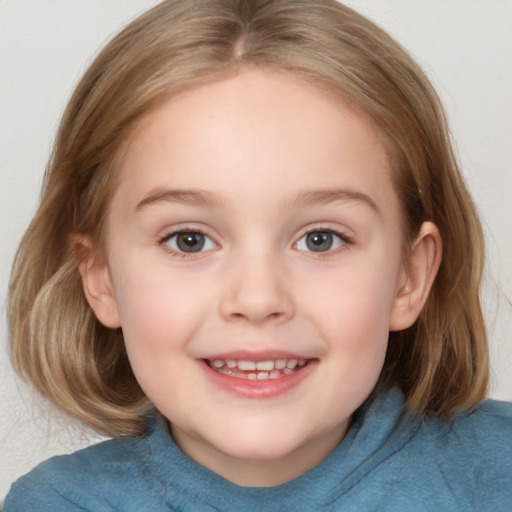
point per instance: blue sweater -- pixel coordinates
(387, 462)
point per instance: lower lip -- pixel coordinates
(267, 388)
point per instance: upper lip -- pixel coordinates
(260, 355)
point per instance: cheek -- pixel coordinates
(157, 321)
(352, 310)
(159, 310)
(367, 292)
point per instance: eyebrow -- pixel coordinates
(203, 198)
(192, 197)
(310, 198)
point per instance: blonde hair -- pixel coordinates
(440, 363)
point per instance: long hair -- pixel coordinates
(440, 363)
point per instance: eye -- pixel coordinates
(189, 242)
(321, 241)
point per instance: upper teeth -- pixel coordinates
(267, 366)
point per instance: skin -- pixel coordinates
(269, 158)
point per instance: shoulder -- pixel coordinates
(80, 481)
(484, 432)
(471, 455)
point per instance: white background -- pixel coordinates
(465, 46)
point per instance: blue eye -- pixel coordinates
(189, 242)
(320, 241)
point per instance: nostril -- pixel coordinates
(255, 318)
(238, 316)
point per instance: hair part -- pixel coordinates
(440, 363)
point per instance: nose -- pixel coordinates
(257, 292)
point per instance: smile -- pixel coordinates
(257, 370)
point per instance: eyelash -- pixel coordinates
(345, 241)
(168, 236)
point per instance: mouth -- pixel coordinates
(257, 370)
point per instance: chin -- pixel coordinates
(258, 444)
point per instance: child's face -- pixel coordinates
(255, 222)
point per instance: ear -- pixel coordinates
(96, 282)
(418, 274)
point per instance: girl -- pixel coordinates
(256, 265)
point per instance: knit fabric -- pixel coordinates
(388, 462)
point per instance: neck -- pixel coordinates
(265, 472)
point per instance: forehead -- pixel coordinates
(255, 130)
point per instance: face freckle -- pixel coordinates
(279, 321)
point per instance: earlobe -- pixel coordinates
(418, 274)
(96, 282)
